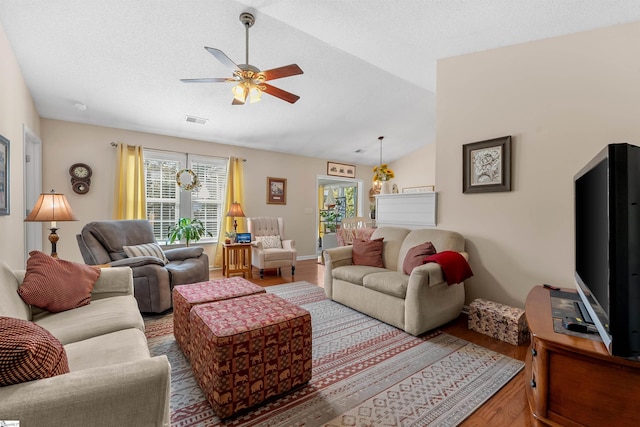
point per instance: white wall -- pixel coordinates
(562, 100)
(65, 143)
(16, 110)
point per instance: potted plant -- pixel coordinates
(190, 229)
(330, 220)
(230, 237)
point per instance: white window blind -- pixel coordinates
(166, 202)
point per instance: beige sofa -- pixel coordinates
(415, 303)
(113, 380)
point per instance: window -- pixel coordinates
(166, 202)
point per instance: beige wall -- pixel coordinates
(416, 169)
(562, 100)
(16, 110)
(65, 143)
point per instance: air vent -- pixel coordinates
(197, 120)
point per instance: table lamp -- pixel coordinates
(51, 207)
(235, 210)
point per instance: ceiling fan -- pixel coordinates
(250, 81)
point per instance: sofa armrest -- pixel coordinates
(289, 244)
(180, 254)
(429, 274)
(333, 258)
(126, 394)
(113, 282)
(137, 261)
(338, 257)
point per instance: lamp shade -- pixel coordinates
(51, 207)
(235, 210)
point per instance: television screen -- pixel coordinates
(607, 245)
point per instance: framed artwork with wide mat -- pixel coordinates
(486, 166)
(276, 191)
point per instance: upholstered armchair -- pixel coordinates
(117, 243)
(269, 248)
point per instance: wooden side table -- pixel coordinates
(236, 258)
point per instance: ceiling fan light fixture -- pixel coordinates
(255, 94)
(239, 92)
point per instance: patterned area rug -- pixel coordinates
(365, 373)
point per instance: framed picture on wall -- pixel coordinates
(276, 191)
(340, 169)
(486, 166)
(4, 176)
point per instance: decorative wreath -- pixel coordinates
(194, 184)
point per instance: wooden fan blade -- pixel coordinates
(208, 80)
(286, 71)
(236, 102)
(279, 93)
(220, 56)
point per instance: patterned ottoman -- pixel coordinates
(246, 350)
(499, 321)
(186, 296)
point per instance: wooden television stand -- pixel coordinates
(573, 381)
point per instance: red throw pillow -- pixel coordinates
(368, 252)
(415, 256)
(57, 285)
(28, 352)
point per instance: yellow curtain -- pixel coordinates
(235, 193)
(130, 197)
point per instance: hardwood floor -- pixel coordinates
(508, 407)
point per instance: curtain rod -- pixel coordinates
(115, 144)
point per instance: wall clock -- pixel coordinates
(80, 177)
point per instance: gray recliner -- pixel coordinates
(101, 242)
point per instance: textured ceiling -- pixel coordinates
(369, 66)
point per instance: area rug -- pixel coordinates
(365, 373)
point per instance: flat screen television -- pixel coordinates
(607, 245)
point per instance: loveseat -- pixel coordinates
(112, 379)
(415, 302)
(104, 242)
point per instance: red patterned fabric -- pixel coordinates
(28, 352)
(246, 350)
(187, 296)
(57, 285)
(455, 267)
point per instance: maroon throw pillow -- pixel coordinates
(28, 352)
(416, 256)
(57, 285)
(368, 252)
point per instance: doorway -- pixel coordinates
(338, 198)
(32, 189)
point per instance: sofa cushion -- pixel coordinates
(28, 352)
(368, 252)
(123, 346)
(387, 282)
(269, 242)
(416, 255)
(394, 238)
(100, 317)
(57, 285)
(354, 273)
(12, 305)
(145, 249)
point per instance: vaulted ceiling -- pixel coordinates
(369, 66)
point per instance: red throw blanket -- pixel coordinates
(455, 268)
